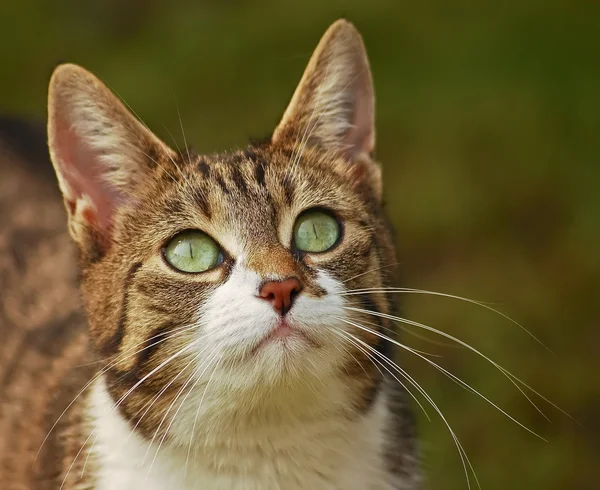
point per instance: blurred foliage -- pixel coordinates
(489, 135)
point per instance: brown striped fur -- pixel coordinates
(43, 332)
(126, 194)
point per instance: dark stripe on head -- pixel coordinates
(203, 168)
(288, 190)
(222, 184)
(174, 206)
(179, 160)
(251, 155)
(203, 203)
(235, 158)
(238, 179)
(113, 343)
(188, 156)
(259, 173)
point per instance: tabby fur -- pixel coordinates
(109, 392)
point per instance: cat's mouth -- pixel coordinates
(285, 336)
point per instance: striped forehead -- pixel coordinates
(233, 191)
(232, 197)
(253, 196)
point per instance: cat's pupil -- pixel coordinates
(316, 231)
(193, 251)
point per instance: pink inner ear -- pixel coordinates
(361, 138)
(81, 169)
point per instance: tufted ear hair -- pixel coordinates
(333, 105)
(101, 153)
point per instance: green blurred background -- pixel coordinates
(489, 135)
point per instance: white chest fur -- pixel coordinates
(325, 455)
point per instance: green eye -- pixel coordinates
(316, 231)
(193, 251)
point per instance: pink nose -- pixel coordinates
(281, 294)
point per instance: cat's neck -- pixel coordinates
(326, 451)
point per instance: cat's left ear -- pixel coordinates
(101, 153)
(334, 104)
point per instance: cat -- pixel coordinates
(232, 306)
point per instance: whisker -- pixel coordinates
(148, 405)
(450, 375)
(370, 271)
(175, 331)
(187, 149)
(506, 373)
(192, 193)
(348, 336)
(179, 393)
(172, 138)
(424, 338)
(407, 330)
(161, 392)
(157, 163)
(340, 332)
(198, 410)
(120, 358)
(95, 430)
(150, 131)
(461, 451)
(188, 192)
(198, 379)
(452, 296)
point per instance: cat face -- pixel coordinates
(220, 284)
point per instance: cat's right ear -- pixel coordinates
(100, 151)
(334, 105)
